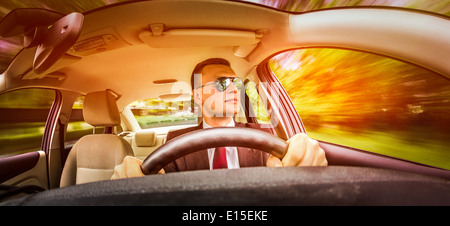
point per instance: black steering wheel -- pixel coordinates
(211, 138)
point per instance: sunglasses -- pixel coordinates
(223, 83)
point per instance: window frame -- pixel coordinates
(288, 115)
(51, 123)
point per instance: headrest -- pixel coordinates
(145, 138)
(100, 109)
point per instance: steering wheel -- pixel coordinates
(211, 138)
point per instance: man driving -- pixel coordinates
(216, 90)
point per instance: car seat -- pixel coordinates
(93, 157)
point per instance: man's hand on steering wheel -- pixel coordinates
(302, 151)
(130, 167)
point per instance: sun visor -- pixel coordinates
(24, 20)
(48, 35)
(60, 37)
(199, 37)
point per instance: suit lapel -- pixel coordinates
(194, 161)
(249, 157)
(244, 154)
(197, 160)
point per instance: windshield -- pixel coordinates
(9, 47)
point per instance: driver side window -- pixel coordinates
(369, 102)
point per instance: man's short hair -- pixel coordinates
(199, 67)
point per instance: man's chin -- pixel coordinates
(229, 111)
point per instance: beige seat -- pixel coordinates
(145, 142)
(93, 157)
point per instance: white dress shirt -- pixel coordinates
(232, 154)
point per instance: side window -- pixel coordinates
(23, 114)
(369, 102)
(155, 112)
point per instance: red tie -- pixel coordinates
(220, 158)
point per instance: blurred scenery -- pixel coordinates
(369, 102)
(350, 98)
(23, 114)
(155, 112)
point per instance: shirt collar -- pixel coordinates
(206, 126)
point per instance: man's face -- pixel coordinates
(214, 102)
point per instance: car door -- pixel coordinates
(365, 109)
(27, 116)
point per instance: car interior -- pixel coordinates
(119, 54)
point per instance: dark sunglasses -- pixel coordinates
(222, 83)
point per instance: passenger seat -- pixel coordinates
(93, 157)
(145, 142)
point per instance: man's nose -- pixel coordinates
(232, 88)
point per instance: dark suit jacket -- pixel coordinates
(199, 160)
